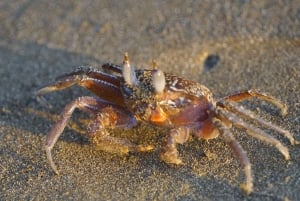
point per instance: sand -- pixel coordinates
(251, 44)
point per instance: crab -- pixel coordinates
(127, 96)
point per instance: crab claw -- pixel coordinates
(158, 79)
(129, 72)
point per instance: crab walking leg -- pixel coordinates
(233, 107)
(255, 132)
(170, 152)
(239, 152)
(83, 103)
(87, 104)
(112, 117)
(240, 96)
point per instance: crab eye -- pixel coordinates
(158, 79)
(129, 72)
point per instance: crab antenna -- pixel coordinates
(129, 71)
(158, 78)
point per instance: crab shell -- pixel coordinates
(180, 103)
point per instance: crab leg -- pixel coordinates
(255, 132)
(112, 117)
(231, 106)
(112, 68)
(170, 152)
(239, 152)
(93, 106)
(83, 103)
(87, 104)
(255, 93)
(83, 72)
(102, 84)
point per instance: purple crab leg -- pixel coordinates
(170, 152)
(239, 152)
(84, 103)
(106, 115)
(255, 132)
(240, 96)
(112, 117)
(233, 107)
(112, 68)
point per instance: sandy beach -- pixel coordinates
(250, 44)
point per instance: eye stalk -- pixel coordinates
(158, 78)
(129, 72)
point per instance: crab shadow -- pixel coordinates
(25, 67)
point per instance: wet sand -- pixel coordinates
(254, 45)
